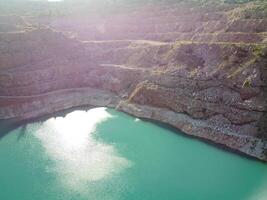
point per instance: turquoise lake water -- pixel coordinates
(102, 154)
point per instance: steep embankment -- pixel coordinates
(199, 69)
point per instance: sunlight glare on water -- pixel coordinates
(79, 157)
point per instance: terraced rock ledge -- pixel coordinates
(201, 69)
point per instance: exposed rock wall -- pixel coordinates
(199, 69)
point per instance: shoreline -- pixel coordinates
(11, 124)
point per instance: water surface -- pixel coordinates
(102, 154)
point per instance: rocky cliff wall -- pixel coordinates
(195, 68)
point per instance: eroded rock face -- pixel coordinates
(195, 68)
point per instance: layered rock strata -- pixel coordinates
(200, 69)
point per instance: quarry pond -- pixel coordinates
(103, 154)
